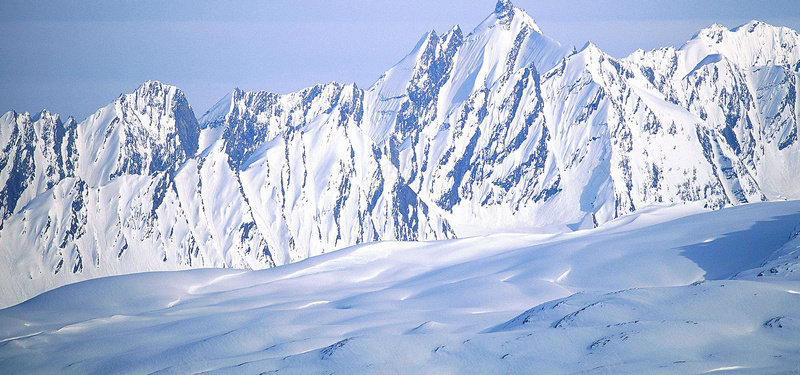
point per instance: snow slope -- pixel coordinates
(500, 129)
(666, 289)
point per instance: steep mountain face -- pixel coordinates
(313, 179)
(501, 129)
(37, 153)
(95, 198)
(478, 145)
(742, 84)
(522, 128)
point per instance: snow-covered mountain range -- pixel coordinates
(500, 129)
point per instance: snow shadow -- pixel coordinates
(725, 256)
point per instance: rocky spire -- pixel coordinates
(503, 8)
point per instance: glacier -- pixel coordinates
(498, 130)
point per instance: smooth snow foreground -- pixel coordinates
(470, 126)
(671, 289)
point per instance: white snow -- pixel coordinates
(501, 134)
(646, 293)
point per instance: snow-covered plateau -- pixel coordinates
(674, 289)
(470, 211)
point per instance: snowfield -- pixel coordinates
(495, 130)
(667, 289)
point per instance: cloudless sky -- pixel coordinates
(75, 56)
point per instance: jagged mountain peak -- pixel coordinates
(503, 8)
(150, 130)
(8, 122)
(454, 34)
(505, 12)
(151, 88)
(592, 53)
(714, 27)
(15, 114)
(43, 116)
(507, 16)
(50, 121)
(436, 77)
(590, 58)
(590, 47)
(8, 115)
(155, 86)
(239, 99)
(752, 44)
(749, 46)
(753, 26)
(713, 34)
(163, 111)
(46, 115)
(431, 35)
(432, 40)
(215, 115)
(154, 95)
(503, 122)
(762, 29)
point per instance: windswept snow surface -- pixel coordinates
(670, 289)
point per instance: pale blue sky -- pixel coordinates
(74, 56)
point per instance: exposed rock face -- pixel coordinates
(502, 129)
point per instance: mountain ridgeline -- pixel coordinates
(500, 129)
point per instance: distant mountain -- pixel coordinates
(502, 129)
